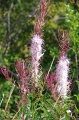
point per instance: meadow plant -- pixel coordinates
(62, 68)
(23, 74)
(37, 42)
(62, 71)
(58, 81)
(36, 52)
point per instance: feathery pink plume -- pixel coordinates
(62, 71)
(58, 82)
(36, 53)
(37, 41)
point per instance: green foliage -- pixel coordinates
(72, 18)
(15, 21)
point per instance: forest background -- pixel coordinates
(17, 19)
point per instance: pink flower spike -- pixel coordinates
(36, 53)
(62, 71)
(24, 76)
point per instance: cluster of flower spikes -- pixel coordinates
(58, 82)
(37, 42)
(24, 76)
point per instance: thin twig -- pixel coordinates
(20, 29)
(10, 96)
(16, 114)
(50, 66)
(2, 99)
(9, 26)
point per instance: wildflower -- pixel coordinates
(23, 75)
(37, 42)
(36, 53)
(58, 82)
(62, 71)
(62, 68)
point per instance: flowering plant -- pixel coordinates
(33, 90)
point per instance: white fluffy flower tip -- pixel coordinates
(62, 72)
(36, 47)
(36, 38)
(36, 53)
